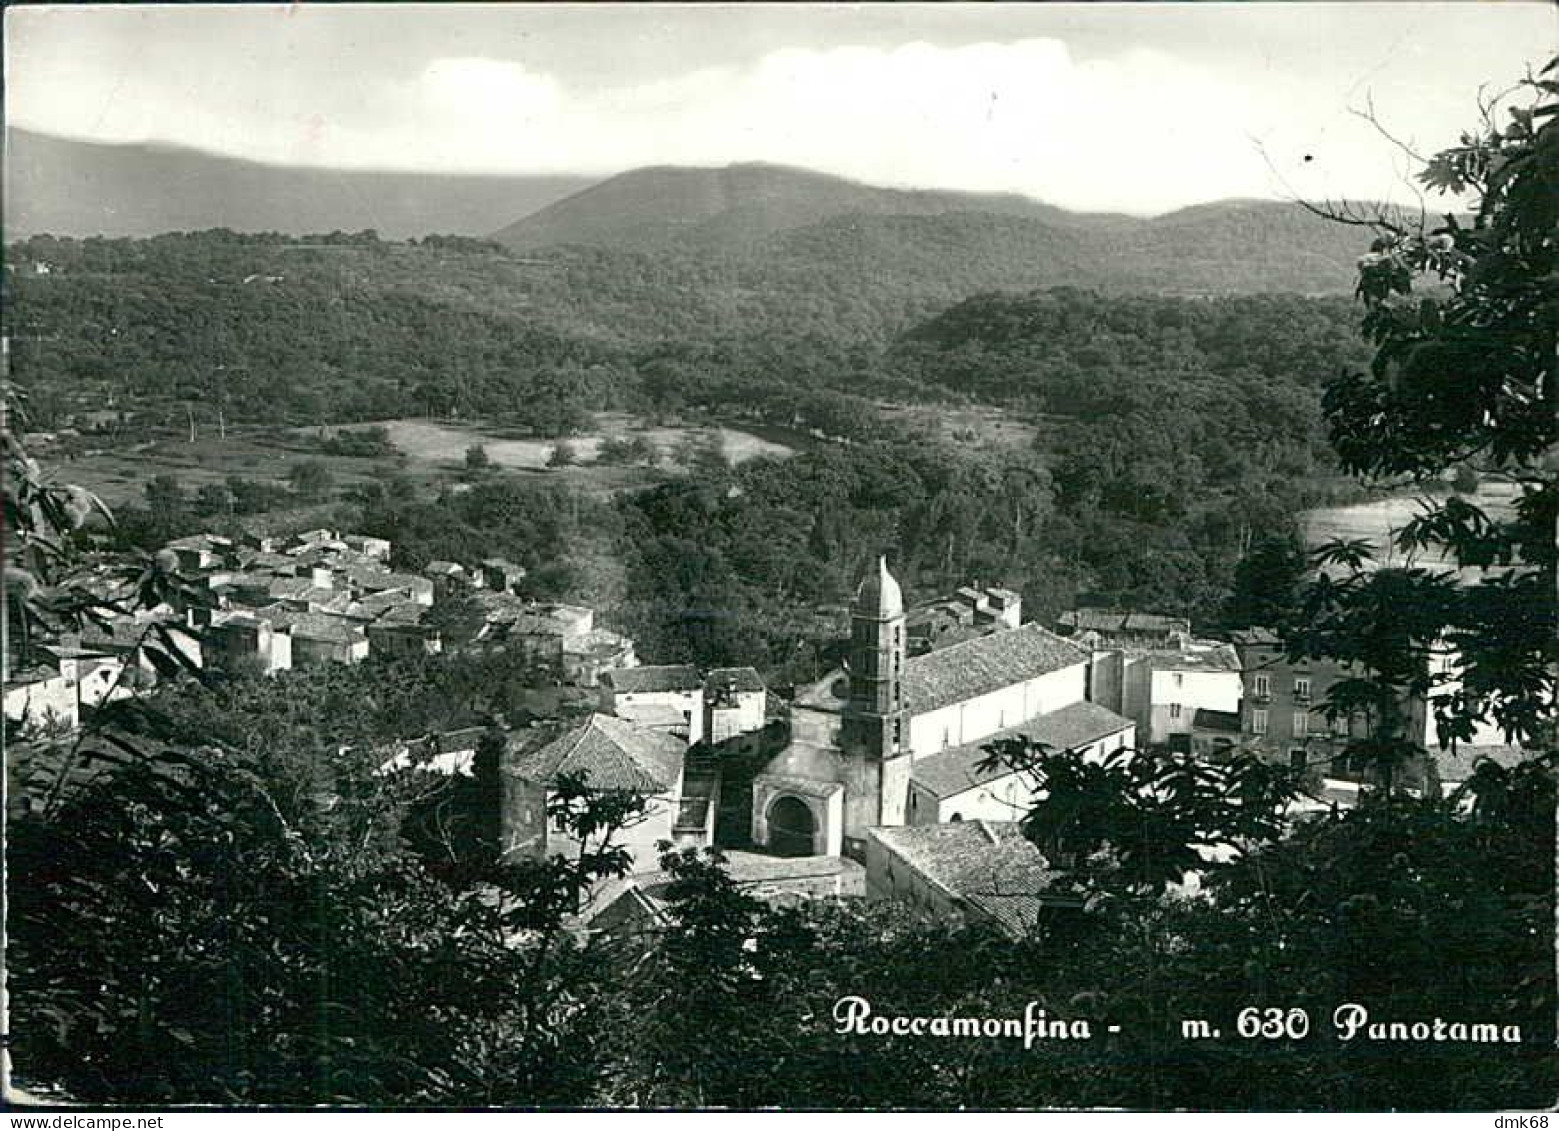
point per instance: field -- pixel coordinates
(1378, 522)
(118, 475)
(442, 444)
(428, 452)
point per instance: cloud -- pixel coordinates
(1140, 131)
(1132, 128)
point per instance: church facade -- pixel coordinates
(895, 739)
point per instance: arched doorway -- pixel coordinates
(791, 827)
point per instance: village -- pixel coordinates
(874, 780)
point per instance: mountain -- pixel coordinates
(745, 229)
(76, 188)
(734, 207)
(795, 220)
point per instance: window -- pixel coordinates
(1263, 684)
(1340, 726)
(1301, 724)
(1258, 722)
(1296, 758)
(1179, 679)
(1302, 687)
(1174, 710)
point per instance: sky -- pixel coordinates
(1133, 107)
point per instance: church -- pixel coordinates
(897, 739)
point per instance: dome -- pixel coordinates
(879, 595)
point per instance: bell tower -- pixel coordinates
(874, 720)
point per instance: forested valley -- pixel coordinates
(1163, 436)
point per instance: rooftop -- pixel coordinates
(879, 594)
(744, 679)
(1206, 719)
(987, 865)
(610, 754)
(1208, 657)
(659, 715)
(318, 626)
(654, 677)
(952, 771)
(986, 664)
(1123, 621)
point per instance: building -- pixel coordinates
(43, 695)
(369, 579)
(1283, 717)
(968, 613)
(133, 639)
(402, 630)
(590, 655)
(1162, 690)
(319, 638)
(500, 574)
(1112, 628)
(735, 703)
(959, 784)
(857, 734)
(609, 754)
(667, 697)
(234, 639)
(981, 871)
(449, 578)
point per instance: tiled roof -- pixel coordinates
(367, 577)
(986, 865)
(660, 715)
(400, 612)
(610, 753)
(1118, 621)
(1207, 719)
(951, 771)
(656, 677)
(1102, 620)
(296, 588)
(121, 631)
(599, 642)
(318, 626)
(1198, 658)
(977, 667)
(35, 673)
(745, 679)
